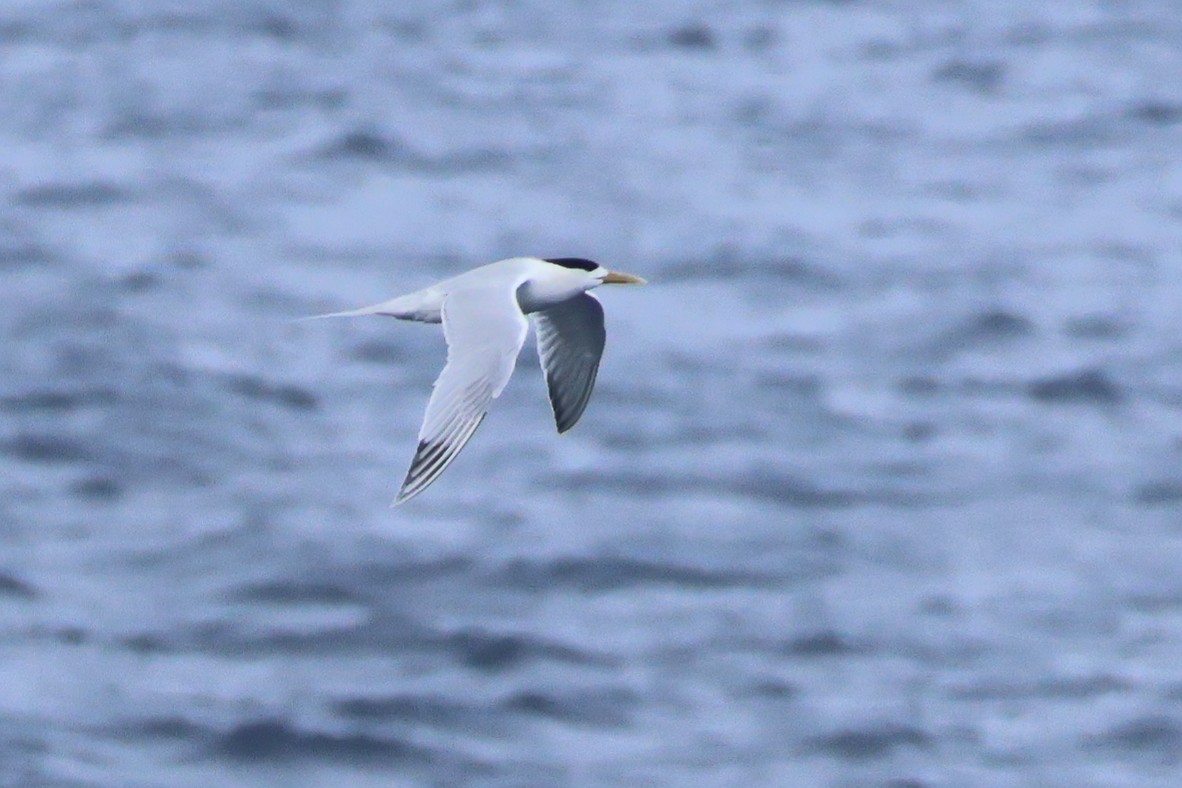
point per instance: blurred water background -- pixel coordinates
(880, 484)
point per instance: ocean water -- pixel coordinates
(880, 484)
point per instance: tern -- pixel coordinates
(483, 312)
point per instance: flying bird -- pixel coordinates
(483, 312)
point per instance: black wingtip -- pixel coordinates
(433, 457)
(410, 484)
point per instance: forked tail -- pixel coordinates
(376, 309)
(395, 307)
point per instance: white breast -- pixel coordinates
(551, 286)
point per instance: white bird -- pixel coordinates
(483, 314)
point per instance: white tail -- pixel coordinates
(423, 305)
(376, 309)
(395, 307)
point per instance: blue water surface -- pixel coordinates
(880, 484)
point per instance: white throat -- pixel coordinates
(549, 285)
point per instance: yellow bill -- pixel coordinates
(621, 278)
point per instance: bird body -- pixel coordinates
(539, 284)
(483, 312)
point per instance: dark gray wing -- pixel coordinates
(570, 344)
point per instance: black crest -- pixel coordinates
(574, 262)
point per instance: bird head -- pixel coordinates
(597, 271)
